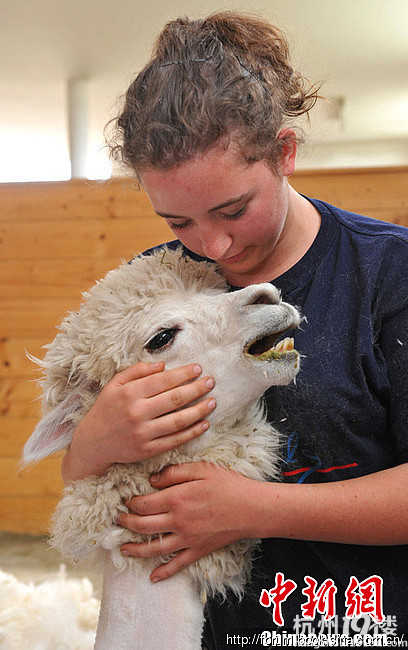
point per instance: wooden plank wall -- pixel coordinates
(56, 239)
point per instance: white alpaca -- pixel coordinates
(163, 307)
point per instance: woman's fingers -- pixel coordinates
(161, 382)
(164, 408)
(163, 545)
(177, 474)
(152, 525)
(138, 371)
(167, 392)
(179, 397)
(181, 560)
(179, 421)
(164, 443)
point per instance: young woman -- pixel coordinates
(207, 129)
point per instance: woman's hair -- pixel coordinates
(208, 81)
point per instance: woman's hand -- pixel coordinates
(199, 508)
(142, 412)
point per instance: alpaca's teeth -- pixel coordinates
(286, 345)
(277, 351)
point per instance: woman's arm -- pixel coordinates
(142, 412)
(203, 508)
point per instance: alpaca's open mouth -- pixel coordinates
(267, 349)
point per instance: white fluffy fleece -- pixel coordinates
(120, 315)
(57, 614)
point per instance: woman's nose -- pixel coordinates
(215, 243)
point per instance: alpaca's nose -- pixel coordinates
(258, 294)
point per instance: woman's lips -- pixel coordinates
(233, 258)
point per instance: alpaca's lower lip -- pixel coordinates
(233, 258)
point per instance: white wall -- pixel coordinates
(359, 50)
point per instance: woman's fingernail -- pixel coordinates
(125, 552)
(197, 369)
(154, 478)
(157, 364)
(212, 404)
(155, 579)
(205, 426)
(210, 383)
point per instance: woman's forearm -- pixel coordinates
(370, 510)
(81, 460)
(203, 507)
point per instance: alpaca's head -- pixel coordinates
(168, 307)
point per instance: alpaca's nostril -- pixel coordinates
(262, 299)
(261, 294)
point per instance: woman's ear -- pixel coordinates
(288, 148)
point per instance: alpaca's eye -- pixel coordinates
(161, 340)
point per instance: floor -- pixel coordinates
(30, 559)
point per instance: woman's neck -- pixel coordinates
(301, 227)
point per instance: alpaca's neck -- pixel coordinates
(137, 614)
(245, 441)
(243, 420)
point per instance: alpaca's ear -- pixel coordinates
(54, 432)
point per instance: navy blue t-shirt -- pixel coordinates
(346, 416)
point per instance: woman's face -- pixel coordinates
(223, 208)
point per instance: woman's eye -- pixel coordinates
(161, 340)
(178, 226)
(237, 214)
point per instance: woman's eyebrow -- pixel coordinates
(167, 216)
(230, 202)
(217, 207)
